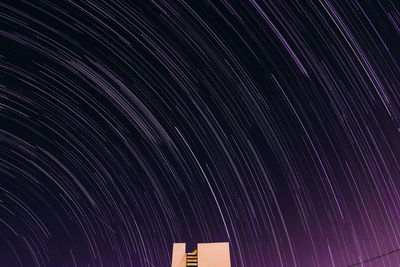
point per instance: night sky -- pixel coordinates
(126, 126)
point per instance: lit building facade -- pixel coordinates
(206, 255)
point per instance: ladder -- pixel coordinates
(191, 259)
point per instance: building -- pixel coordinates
(206, 255)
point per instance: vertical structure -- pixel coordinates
(179, 255)
(206, 255)
(213, 255)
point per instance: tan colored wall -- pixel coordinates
(179, 255)
(213, 255)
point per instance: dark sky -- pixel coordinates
(126, 126)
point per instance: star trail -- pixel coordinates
(126, 126)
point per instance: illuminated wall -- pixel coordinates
(213, 254)
(179, 255)
(208, 255)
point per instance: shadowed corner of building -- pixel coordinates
(206, 255)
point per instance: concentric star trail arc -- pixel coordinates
(127, 126)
